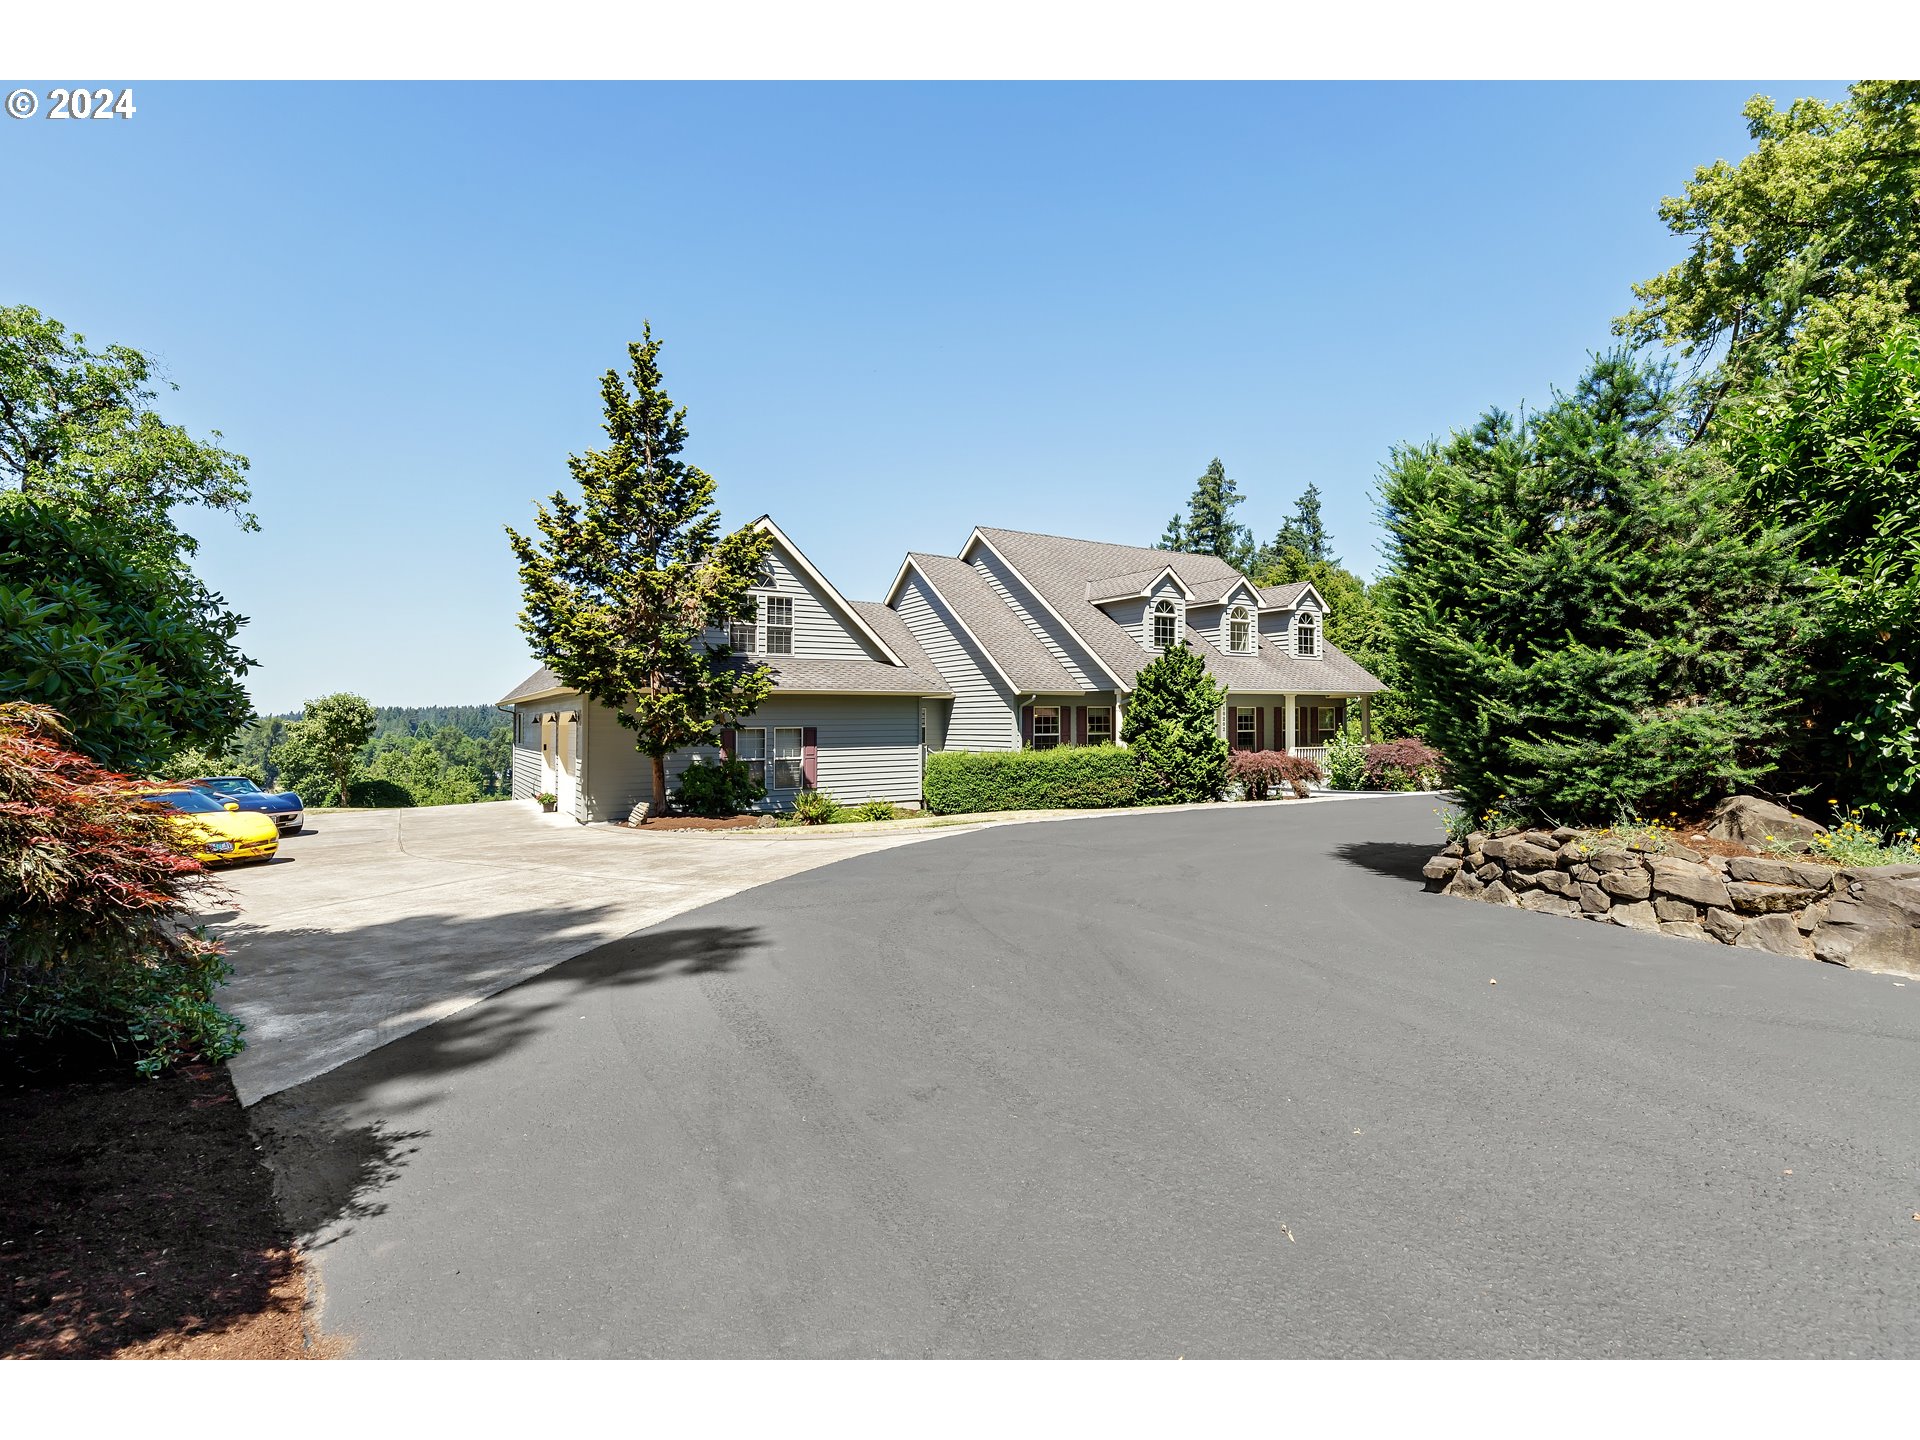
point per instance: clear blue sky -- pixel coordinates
(894, 312)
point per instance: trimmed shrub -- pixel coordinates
(96, 967)
(1067, 777)
(815, 807)
(1264, 772)
(875, 810)
(1172, 728)
(716, 791)
(1407, 764)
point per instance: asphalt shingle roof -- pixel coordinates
(538, 683)
(1018, 652)
(1059, 569)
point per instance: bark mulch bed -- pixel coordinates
(137, 1220)
(695, 822)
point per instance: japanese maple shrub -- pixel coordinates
(97, 965)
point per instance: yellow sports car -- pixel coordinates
(221, 834)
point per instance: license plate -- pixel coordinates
(220, 847)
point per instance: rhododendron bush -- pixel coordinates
(97, 963)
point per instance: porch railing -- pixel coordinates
(1315, 753)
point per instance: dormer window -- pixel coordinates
(1166, 624)
(1239, 631)
(1306, 636)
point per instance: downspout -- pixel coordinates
(1020, 741)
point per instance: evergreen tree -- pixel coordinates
(1210, 527)
(1588, 618)
(1304, 531)
(1174, 537)
(1172, 726)
(622, 585)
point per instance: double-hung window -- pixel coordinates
(789, 759)
(1306, 635)
(1099, 725)
(740, 635)
(1166, 624)
(1243, 730)
(1046, 726)
(750, 747)
(1239, 631)
(779, 610)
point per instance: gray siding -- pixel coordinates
(1035, 616)
(526, 770)
(820, 631)
(981, 716)
(1132, 615)
(869, 748)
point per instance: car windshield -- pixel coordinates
(191, 801)
(227, 784)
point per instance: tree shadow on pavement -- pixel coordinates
(337, 1141)
(1397, 859)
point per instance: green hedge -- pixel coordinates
(1068, 777)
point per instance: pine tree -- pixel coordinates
(624, 583)
(1174, 537)
(1172, 726)
(1210, 526)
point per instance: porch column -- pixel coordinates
(1366, 718)
(1293, 721)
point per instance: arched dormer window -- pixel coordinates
(1166, 624)
(1306, 636)
(1239, 631)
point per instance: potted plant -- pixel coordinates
(549, 802)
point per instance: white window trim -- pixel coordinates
(1153, 615)
(1060, 723)
(750, 762)
(799, 756)
(1107, 739)
(1306, 624)
(765, 610)
(1243, 616)
(1244, 715)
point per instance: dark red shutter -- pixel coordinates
(1026, 724)
(810, 758)
(727, 741)
(1259, 727)
(1233, 727)
(1079, 724)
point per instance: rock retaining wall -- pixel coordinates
(1867, 919)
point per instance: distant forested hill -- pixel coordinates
(405, 721)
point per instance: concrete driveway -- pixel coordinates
(1221, 1083)
(371, 924)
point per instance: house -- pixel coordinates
(851, 692)
(1041, 639)
(1019, 640)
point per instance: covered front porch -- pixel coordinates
(1298, 724)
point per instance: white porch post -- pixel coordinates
(1366, 718)
(1293, 721)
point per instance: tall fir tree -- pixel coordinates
(1305, 530)
(1210, 528)
(621, 588)
(1174, 537)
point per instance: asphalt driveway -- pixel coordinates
(1220, 1083)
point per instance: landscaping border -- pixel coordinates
(1864, 918)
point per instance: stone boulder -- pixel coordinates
(1748, 820)
(1690, 881)
(1547, 903)
(1775, 933)
(1465, 885)
(1635, 915)
(1439, 870)
(1724, 926)
(1520, 852)
(1763, 871)
(1873, 921)
(1627, 884)
(1751, 898)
